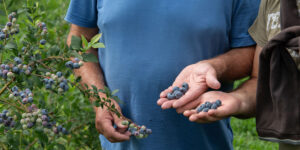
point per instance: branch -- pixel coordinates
(6, 85)
(31, 144)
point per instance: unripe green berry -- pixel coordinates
(39, 120)
(22, 121)
(11, 96)
(24, 126)
(48, 73)
(60, 90)
(80, 63)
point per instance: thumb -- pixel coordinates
(118, 122)
(211, 79)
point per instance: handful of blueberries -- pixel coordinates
(178, 92)
(208, 105)
(139, 132)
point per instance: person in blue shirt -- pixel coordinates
(147, 44)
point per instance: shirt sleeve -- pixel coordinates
(244, 14)
(83, 13)
(258, 30)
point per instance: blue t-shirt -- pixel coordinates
(148, 42)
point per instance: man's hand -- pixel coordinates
(200, 77)
(231, 106)
(105, 121)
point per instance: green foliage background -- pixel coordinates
(53, 12)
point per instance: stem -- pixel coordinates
(31, 144)
(11, 104)
(6, 85)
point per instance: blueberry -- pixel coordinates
(29, 125)
(1, 120)
(15, 93)
(48, 86)
(29, 68)
(185, 85)
(9, 24)
(77, 59)
(64, 131)
(15, 70)
(2, 66)
(59, 128)
(2, 36)
(66, 87)
(205, 109)
(200, 108)
(208, 104)
(23, 95)
(44, 112)
(7, 67)
(59, 74)
(62, 85)
(176, 88)
(30, 99)
(18, 60)
(170, 96)
(218, 102)
(178, 94)
(45, 123)
(5, 111)
(76, 65)
(69, 64)
(43, 42)
(14, 89)
(25, 101)
(13, 124)
(183, 89)
(214, 106)
(51, 81)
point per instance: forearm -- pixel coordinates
(90, 73)
(246, 94)
(234, 64)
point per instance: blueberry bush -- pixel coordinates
(42, 103)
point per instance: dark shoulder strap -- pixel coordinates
(289, 14)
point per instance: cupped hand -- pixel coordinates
(105, 121)
(199, 77)
(230, 106)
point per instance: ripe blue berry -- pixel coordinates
(59, 74)
(205, 109)
(69, 64)
(18, 60)
(214, 106)
(208, 104)
(176, 88)
(43, 42)
(76, 65)
(219, 103)
(30, 99)
(77, 59)
(185, 85)
(7, 67)
(44, 112)
(15, 70)
(48, 86)
(170, 96)
(9, 24)
(200, 108)
(178, 94)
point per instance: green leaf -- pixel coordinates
(76, 43)
(114, 92)
(98, 45)
(11, 45)
(84, 41)
(75, 54)
(96, 38)
(89, 57)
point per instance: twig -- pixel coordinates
(31, 144)
(6, 85)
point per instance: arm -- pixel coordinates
(230, 66)
(240, 103)
(91, 74)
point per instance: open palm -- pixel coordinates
(200, 77)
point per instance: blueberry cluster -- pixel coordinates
(10, 70)
(43, 29)
(56, 81)
(74, 65)
(40, 119)
(26, 95)
(208, 105)
(137, 131)
(10, 28)
(6, 120)
(178, 92)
